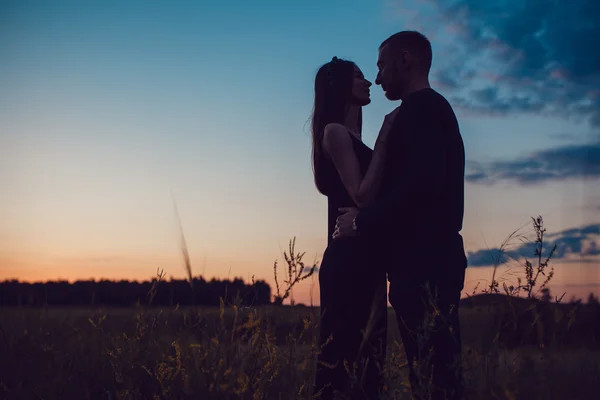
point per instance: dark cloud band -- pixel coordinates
(582, 241)
(566, 162)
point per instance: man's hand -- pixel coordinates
(343, 225)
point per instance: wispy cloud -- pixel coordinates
(533, 57)
(560, 163)
(583, 242)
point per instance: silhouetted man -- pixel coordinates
(418, 216)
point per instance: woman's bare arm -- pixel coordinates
(338, 144)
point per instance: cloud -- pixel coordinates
(560, 163)
(521, 57)
(583, 242)
(565, 137)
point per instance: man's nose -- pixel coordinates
(378, 79)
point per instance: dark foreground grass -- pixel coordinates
(516, 346)
(227, 353)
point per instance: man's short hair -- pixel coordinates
(415, 42)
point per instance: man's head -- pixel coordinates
(404, 61)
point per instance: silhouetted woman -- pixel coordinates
(352, 282)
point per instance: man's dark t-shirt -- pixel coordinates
(420, 208)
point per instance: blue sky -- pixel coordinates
(108, 106)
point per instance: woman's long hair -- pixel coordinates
(333, 96)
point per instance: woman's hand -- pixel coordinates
(386, 128)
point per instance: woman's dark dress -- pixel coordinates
(353, 290)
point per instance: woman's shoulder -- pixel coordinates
(336, 134)
(335, 128)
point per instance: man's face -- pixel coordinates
(391, 75)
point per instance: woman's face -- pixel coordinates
(361, 95)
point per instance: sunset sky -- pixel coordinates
(110, 108)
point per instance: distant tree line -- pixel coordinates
(129, 293)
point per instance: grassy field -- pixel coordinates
(265, 353)
(516, 345)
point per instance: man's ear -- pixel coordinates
(405, 58)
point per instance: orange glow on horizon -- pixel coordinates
(575, 280)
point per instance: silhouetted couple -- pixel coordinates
(394, 213)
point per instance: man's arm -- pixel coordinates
(421, 183)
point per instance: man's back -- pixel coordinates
(432, 215)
